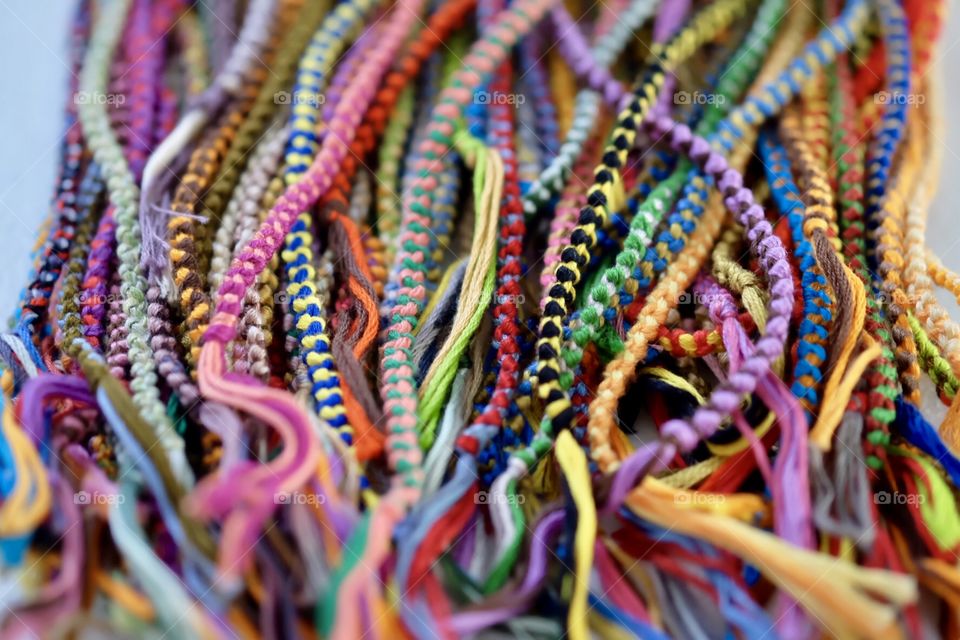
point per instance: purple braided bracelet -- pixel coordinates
(683, 435)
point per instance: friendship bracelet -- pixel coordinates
(586, 105)
(311, 324)
(600, 198)
(123, 195)
(207, 102)
(878, 407)
(331, 331)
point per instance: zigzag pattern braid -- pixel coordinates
(766, 247)
(765, 103)
(536, 84)
(433, 77)
(885, 210)
(187, 240)
(124, 196)
(889, 248)
(398, 384)
(143, 51)
(884, 146)
(619, 285)
(258, 319)
(242, 210)
(585, 108)
(269, 99)
(280, 412)
(881, 386)
(814, 203)
(308, 311)
(390, 157)
(744, 62)
(510, 267)
(58, 244)
(117, 345)
(256, 194)
(95, 287)
(605, 196)
(932, 362)
(572, 200)
(88, 203)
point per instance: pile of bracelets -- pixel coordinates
(488, 319)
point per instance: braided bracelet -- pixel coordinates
(398, 390)
(767, 249)
(289, 470)
(940, 327)
(586, 106)
(308, 314)
(605, 196)
(267, 101)
(189, 242)
(881, 380)
(245, 54)
(814, 330)
(680, 221)
(123, 195)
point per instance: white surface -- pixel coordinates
(34, 71)
(34, 68)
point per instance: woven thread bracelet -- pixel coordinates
(483, 318)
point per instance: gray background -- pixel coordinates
(34, 70)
